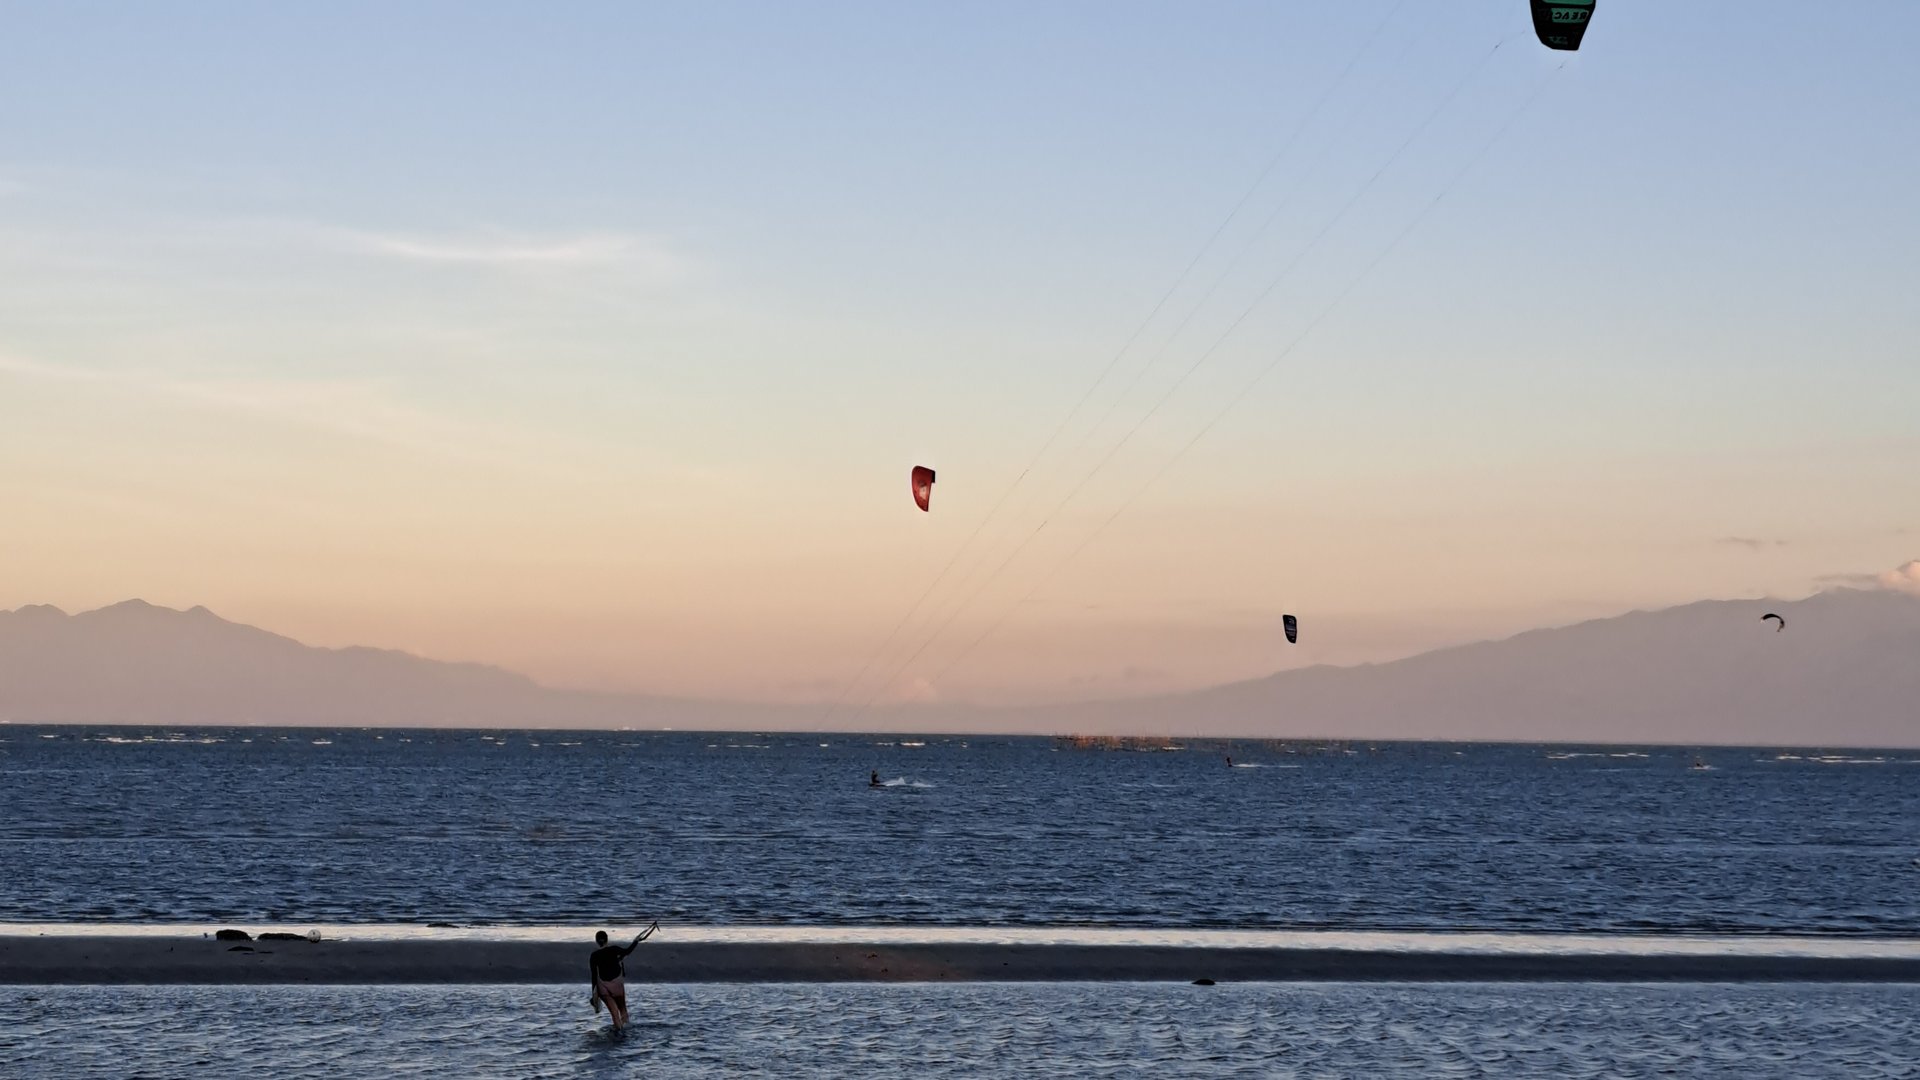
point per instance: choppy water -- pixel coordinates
(554, 827)
(1052, 1030)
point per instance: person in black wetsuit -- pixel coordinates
(608, 974)
(874, 779)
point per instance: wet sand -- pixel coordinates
(186, 959)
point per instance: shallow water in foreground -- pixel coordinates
(1059, 1029)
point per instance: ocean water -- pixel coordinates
(981, 1030)
(548, 827)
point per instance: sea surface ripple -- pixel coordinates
(1567, 1031)
(550, 827)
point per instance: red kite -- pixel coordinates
(922, 486)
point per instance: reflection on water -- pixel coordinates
(1052, 1030)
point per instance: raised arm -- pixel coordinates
(640, 937)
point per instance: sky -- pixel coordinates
(598, 342)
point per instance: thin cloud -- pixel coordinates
(917, 691)
(631, 255)
(1750, 543)
(1131, 675)
(819, 685)
(590, 250)
(359, 409)
(44, 372)
(1903, 578)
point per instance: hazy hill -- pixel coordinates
(138, 663)
(1845, 672)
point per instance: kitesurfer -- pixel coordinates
(607, 973)
(873, 778)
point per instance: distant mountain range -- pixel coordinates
(136, 663)
(1846, 671)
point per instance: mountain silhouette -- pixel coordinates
(137, 663)
(1845, 671)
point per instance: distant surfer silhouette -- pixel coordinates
(873, 780)
(607, 972)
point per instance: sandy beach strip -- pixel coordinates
(191, 959)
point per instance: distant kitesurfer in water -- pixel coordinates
(873, 779)
(608, 974)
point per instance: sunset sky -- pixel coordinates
(597, 342)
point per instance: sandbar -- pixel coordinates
(192, 959)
